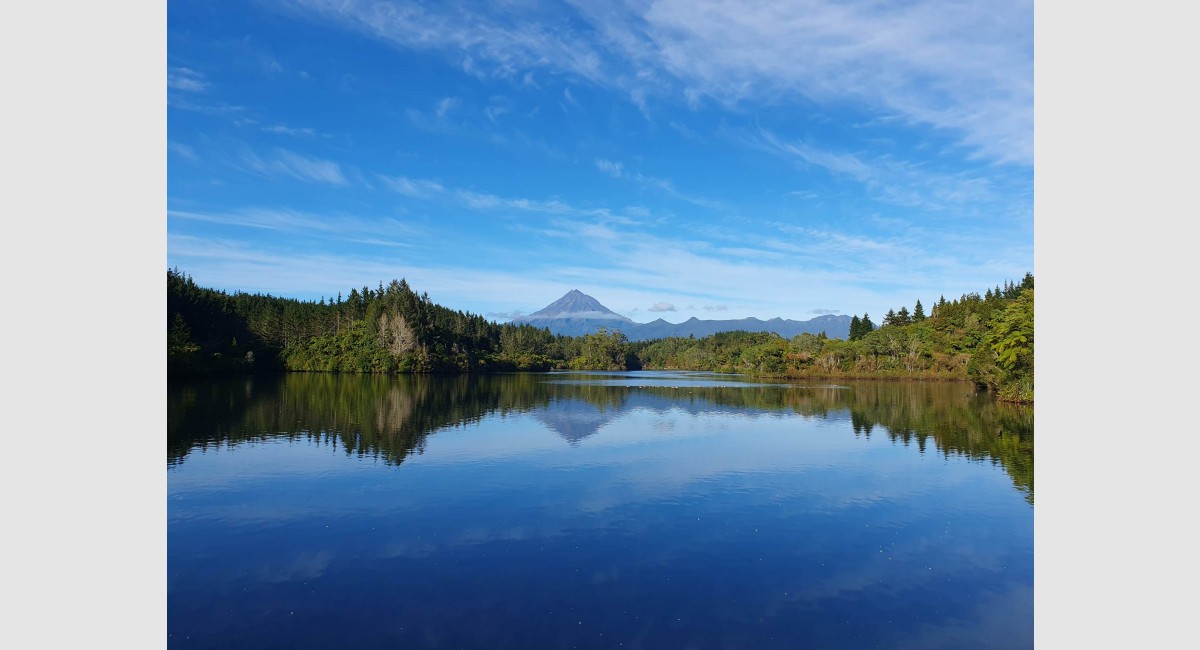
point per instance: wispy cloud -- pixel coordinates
(480, 201)
(288, 130)
(441, 117)
(283, 162)
(486, 202)
(617, 170)
(445, 106)
(886, 179)
(497, 107)
(417, 188)
(483, 43)
(183, 150)
(346, 227)
(217, 108)
(609, 167)
(186, 80)
(661, 306)
(682, 129)
(569, 100)
(965, 67)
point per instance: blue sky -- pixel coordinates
(670, 158)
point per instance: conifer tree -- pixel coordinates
(918, 314)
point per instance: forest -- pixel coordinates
(986, 339)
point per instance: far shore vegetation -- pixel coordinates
(985, 339)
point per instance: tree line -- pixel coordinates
(987, 339)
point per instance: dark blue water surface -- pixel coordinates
(620, 510)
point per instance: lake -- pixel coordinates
(596, 510)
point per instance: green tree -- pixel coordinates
(602, 350)
(179, 339)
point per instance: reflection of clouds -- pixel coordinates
(228, 466)
(406, 549)
(990, 625)
(661, 466)
(695, 444)
(695, 451)
(441, 542)
(480, 535)
(304, 566)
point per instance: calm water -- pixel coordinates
(607, 510)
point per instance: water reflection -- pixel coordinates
(391, 418)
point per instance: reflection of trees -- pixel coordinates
(389, 418)
(974, 426)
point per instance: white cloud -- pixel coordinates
(186, 80)
(965, 67)
(342, 226)
(479, 201)
(497, 107)
(287, 130)
(885, 178)
(293, 165)
(445, 106)
(962, 66)
(417, 188)
(570, 99)
(219, 109)
(183, 150)
(609, 167)
(617, 170)
(662, 306)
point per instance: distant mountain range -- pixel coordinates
(577, 313)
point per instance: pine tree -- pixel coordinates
(918, 314)
(855, 329)
(902, 317)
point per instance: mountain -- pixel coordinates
(577, 313)
(576, 304)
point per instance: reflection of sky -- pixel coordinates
(778, 516)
